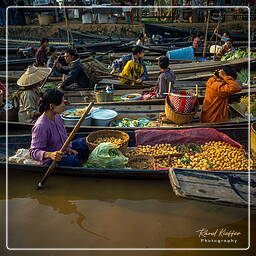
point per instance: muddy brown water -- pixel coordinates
(80, 212)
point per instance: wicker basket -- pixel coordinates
(144, 162)
(177, 117)
(107, 133)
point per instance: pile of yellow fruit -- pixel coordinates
(215, 155)
(108, 139)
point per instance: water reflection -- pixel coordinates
(66, 207)
(110, 213)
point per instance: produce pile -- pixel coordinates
(238, 54)
(113, 140)
(215, 155)
(245, 102)
(243, 76)
(127, 122)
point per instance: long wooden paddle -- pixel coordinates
(129, 79)
(206, 32)
(45, 80)
(66, 143)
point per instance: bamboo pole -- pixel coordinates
(206, 32)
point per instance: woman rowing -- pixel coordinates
(49, 134)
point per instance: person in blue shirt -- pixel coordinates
(132, 66)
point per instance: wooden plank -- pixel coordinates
(230, 187)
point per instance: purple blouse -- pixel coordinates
(47, 136)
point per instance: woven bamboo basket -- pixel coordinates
(253, 139)
(107, 133)
(177, 117)
(144, 162)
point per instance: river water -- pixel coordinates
(79, 212)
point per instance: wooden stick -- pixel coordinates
(196, 90)
(169, 88)
(45, 80)
(66, 143)
(129, 79)
(206, 31)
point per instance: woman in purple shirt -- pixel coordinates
(49, 134)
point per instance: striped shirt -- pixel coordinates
(47, 136)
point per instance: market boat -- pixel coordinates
(152, 110)
(16, 142)
(223, 187)
(13, 76)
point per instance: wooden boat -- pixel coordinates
(13, 76)
(223, 187)
(23, 141)
(171, 31)
(153, 110)
(203, 66)
(79, 97)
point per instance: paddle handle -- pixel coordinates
(45, 80)
(169, 88)
(66, 143)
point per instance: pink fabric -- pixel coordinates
(183, 136)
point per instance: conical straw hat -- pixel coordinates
(33, 75)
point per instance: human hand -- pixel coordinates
(57, 65)
(55, 156)
(112, 71)
(71, 151)
(138, 81)
(222, 73)
(59, 86)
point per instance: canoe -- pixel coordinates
(13, 76)
(171, 31)
(153, 110)
(81, 97)
(223, 187)
(23, 141)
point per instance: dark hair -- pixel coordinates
(52, 49)
(137, 49)
(230, 40)
(51, 96)
(230, 71)
(199, 33)
(141, 35)
(44, 40)
(163, 62)
(72, 53)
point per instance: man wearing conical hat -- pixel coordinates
(29, 93)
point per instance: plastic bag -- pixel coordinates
(106, 155)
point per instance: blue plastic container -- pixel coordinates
(186, 53)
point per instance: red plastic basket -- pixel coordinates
(182, 101)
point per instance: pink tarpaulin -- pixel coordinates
(175, 137)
